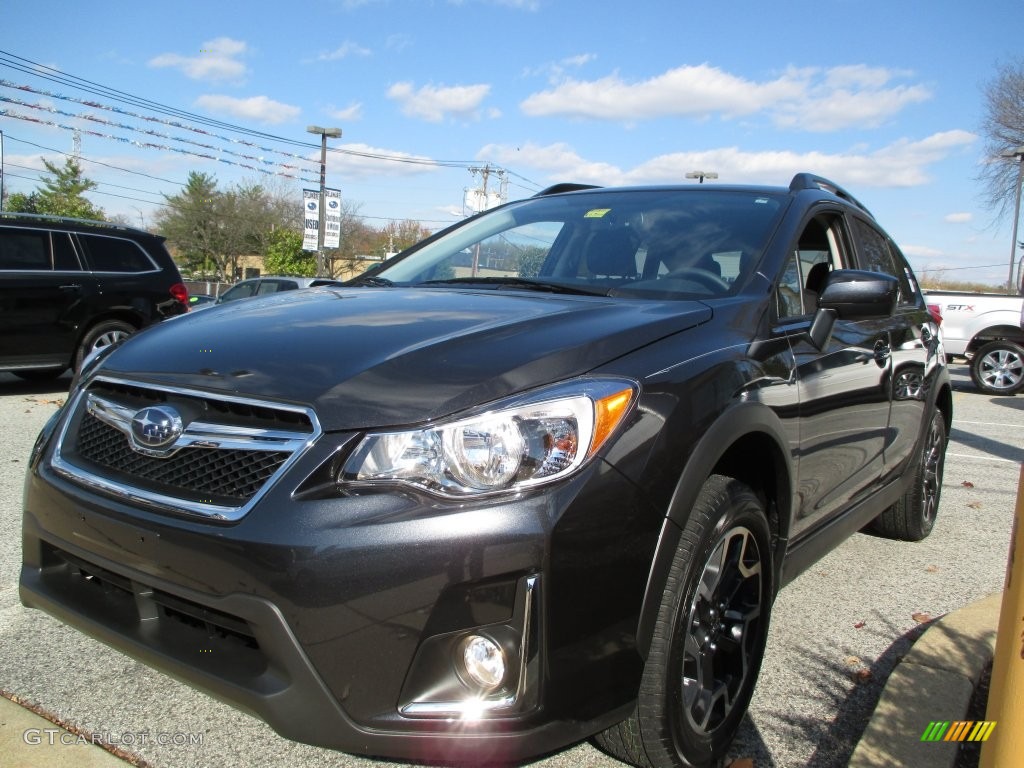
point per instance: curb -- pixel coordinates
(28, 740)
(934, 681)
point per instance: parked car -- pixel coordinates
(69, 287)
(201, 300)
(537, 478)
(987, 329)
(261, 286)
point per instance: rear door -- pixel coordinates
(912, 339)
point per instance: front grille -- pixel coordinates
(224, 451)
(202, 474)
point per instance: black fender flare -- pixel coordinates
(735, 423)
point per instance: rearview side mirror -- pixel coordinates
(852, 294)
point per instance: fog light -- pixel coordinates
(483, 661)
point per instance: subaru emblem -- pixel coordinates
(156, 427)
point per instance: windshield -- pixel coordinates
(675, 243)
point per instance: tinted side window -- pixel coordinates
(273, 286)
(240, 291)
(64, 257)
(113, 254)
(24, 249)
(875, 255)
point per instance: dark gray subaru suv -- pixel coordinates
(538, 478)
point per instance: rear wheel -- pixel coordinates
(998, 368)
(709, 637)
(101, 335)
(913, 516)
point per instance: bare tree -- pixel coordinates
(1003, 129)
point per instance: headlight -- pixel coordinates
(517, 444)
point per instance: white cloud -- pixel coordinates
(435, 103)
(958, 218)
(350, 113)
(689, 90)
(258, 108)
(808, 99)
(901, 164)
(217, 60)
(398, 42)
(361, 161)
(346, 49)
(555, 70)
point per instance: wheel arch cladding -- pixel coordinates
(749, 444)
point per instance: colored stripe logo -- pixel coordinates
(959, 730)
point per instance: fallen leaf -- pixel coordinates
(967, 484)
(859, 624)
(974, 504)
(921, 616)
(853, 661)
(742, 762)
(862, 675)
(931, 569)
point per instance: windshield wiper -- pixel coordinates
(376, 282)
(520, 282)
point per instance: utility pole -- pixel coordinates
(334, 133)
(1, 170)
(1017, 154)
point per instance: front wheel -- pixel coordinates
(998, 368)
(709, 638)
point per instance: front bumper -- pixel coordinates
(334, 619)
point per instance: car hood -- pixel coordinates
(370, 357)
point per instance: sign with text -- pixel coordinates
(311, 219)
(332, 218)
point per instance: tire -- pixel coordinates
(700, 671)
(40, 374)
(998, 368)
(102, 334)
(913, 516)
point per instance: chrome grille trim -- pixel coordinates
(198, 435)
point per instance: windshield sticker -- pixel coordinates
(596, 213)
(761, 200)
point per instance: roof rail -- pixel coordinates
(565, 186)
(810, 181)
(44, 217)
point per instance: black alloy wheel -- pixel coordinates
(709, 636)
(913, 516)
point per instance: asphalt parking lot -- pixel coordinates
(837, 631)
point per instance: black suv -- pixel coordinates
(71, 286)
(537, 478)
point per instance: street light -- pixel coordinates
(334, 133)
(701, 175)
(1019, 154)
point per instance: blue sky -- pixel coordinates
(884, 98)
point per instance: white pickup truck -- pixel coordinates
(987, 329)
